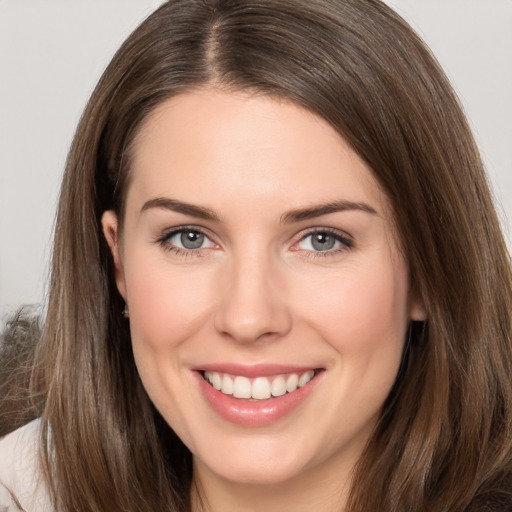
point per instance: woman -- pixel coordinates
(285, 202)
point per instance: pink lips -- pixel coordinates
(248, 412)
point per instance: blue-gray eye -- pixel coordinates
(322, 241)
(190, 239)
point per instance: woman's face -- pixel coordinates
(268, 300)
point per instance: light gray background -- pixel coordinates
(53, 51)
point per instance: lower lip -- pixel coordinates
(251, 413)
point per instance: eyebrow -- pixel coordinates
(324, 209)
(289, 217)
(179, 206)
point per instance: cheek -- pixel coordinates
(169, 309)
(363, 318)
(363, 313)
(167, 304)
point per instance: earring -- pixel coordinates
(125, 312)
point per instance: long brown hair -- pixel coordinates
(444, 439)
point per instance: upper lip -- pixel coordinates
(253, 370)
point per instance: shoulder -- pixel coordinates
(21, 481)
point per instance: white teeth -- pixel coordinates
(305, 378)
(260, 388)
(242, 387)
(291, 382)
(278, 387)
(227, 385)
(216, 380)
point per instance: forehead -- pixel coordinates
(208, 144)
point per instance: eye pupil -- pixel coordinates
(192, 239)
(322, 241)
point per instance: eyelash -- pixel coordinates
(164, 238)
(346, 242)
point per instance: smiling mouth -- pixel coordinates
(258, 388)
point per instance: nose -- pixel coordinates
(253, 305)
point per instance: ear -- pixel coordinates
(110, 226)
(418, 312)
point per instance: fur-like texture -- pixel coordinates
(17, 345)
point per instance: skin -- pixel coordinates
(258, 291)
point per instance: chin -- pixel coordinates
(257, 462)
